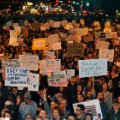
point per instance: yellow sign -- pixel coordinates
(39, 44)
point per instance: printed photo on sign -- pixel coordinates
(91, 106)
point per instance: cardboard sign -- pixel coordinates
(16, 77)
(33, 82)
(92, 67)
(91, 106)
(70, 73)
(57, 79)
(39, 44)
(102, 45)
(13, 38)
(55, 46)
(29, 61)
(53, 38)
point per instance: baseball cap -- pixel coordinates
(27, 95)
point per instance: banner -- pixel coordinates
(91, 106)
(55, 46)
(16, 77)
(33, 82)
(57, 79)
(13, 38)
(29, 61)
(70, 73)
(92, 67)
(39, 44)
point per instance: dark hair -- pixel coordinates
(89, 114)
(82, 107)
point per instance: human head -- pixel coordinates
(71, 117)
(100, 96)
(29, 117)
(56, 113)
(116, 105)
(79, 109)
(72, 80)
(14, 90)
(27, 97)
(43, 114)
(80, 98)
(105, 86)
(8, 114)
(88, 116)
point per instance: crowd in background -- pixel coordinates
(55, 103)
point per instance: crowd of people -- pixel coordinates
(56, 103)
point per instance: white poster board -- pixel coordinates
(91, 106)
(33, 82)
(92, 67)
(16, 77)
(70, 73)
(57, 79)
(29, 61)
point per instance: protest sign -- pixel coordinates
(56, 24)
(102, 45)
(55, 46)
(33, 82)
(29, 61)
(53, 38)
(42, 67)
(18, 29)
(113, 35)
(10, 63)
(82, 31)
(25, 32)
(68, 27)
(15, 25)
(43, 28)
(57, 79)
(92, 67)
(16, 77)
(5, 118)
(91, 106)
(88, 38)
(64, 22)
(53, 65)
(39, 44)
(106, 53)
(70, 73)
(13, 38)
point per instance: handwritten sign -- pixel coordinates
(33, 82)
(53, 38)
(57, 79)
(93, 67)
(39, 44)
(55, 46)
(13, 38)
(102, 45)
(70, 73)
(91, 106)
(29, 61)
(16, 76)
(106, 53)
